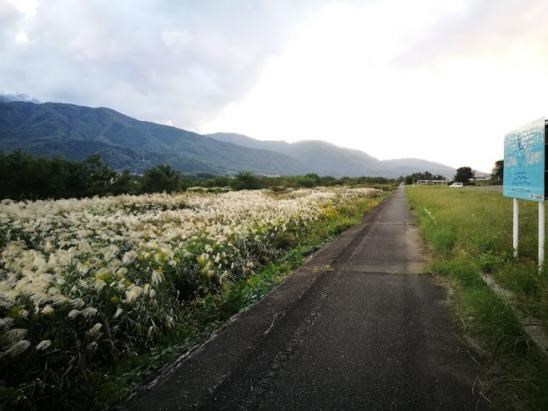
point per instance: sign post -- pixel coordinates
(515, 227)
(525, 168)
(540, 235)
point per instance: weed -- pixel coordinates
(470, 231)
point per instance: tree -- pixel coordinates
(464, 174)
(99, 175)
(497, 173)
(310, 180)
(245, 181)
(161, 178)
(426, 175)
(123, 182)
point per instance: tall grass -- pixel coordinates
(469, 231)
(206, 314)
(68, 356)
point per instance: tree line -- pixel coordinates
(24, 177)
(425, 175)
(463, 175)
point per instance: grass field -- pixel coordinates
(470, 231)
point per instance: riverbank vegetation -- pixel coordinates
(25, 177)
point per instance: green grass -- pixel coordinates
(204, 315)
(470, 231)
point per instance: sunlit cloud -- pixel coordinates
(21, 38)
(27, 7)
(441, 80)
(397, 79)
(155, 60)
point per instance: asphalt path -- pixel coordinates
(358, 327)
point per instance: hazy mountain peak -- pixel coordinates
(6, 98)
(329, 159)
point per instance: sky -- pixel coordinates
(442, 80)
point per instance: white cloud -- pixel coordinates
(153, 60)
(21, 38)
(442, 80)
(177, 40)
(397, 79)
(27, 7)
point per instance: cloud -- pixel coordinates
(482, 28)
(26, 7)
(437, 80)
(156, 60)
(442, 80)
(21, 38)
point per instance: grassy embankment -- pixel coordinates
(203, 315)
(470, 231)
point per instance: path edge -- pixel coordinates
(244, 330)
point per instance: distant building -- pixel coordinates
(431, 182)
(481, 177)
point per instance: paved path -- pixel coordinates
(355, 328)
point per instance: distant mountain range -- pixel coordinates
(75, 132)
(328, 159)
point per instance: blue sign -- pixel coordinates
(524, 162)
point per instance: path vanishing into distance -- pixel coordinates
(357, 327)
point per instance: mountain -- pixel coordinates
(75, 132)
(317, 156)
(6, 98)
(328, 159)
(406, 166)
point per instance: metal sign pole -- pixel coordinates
(515, 230)
(540, 235)
(526, 174)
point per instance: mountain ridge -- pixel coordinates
(353, 161)
(75, 132)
